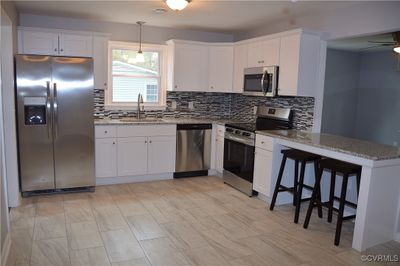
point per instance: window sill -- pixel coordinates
(134, 108)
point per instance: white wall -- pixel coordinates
(121, 31)
(378, 108)
(362, 96)
(362, 18)
(340, 92)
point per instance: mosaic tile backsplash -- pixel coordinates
(217, 106)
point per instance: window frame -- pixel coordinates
(162, 97)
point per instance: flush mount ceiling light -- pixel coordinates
(177, 5)
(139, 55)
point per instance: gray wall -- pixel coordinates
(359, 19)
(340, 93)
(121, 31)
(362, 96)
(378, 109)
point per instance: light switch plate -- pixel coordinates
(191, 105)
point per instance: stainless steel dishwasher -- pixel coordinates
(193, 150)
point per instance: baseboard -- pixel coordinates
(5, 252)
(132, 179)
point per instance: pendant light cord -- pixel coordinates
(140, 37)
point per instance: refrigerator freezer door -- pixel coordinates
(73, 128)
(34, 122)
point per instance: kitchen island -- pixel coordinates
(377, 218)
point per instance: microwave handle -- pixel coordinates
(264, 91)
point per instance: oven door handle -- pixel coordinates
(233, 138)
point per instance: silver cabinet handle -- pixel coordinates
(262, 142)
(55, 49)
(62, 50)
(105, 83)
(145, 141)
(48, 109)
(105, 131)
(176, 86)
(150, 141)
(113, 142)
(55, 111)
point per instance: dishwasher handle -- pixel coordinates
(193, 126)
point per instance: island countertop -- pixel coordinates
(360, 148)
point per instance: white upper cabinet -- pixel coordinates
(75, 45)
(239, 64)
(299, 64)
(36, 42)
(188, 66)
(100, 62)
(52, 42)
(220, 68)
(263, 53)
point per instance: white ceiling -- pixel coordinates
(219, 16)
(359, 44)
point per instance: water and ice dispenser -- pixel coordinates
(35, 111)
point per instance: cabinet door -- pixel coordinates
(161, 154)
(132, 156)
(262, 171)
(190, 67)
(106, 157)
(219, 154)
(40, 43)
(239, 64)
(289, 65)
(75, 45)
(264, 53)
(220, 68)
(100, 62)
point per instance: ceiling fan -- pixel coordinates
(395, 43)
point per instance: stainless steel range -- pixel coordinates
(240, 141)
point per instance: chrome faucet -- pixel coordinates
(139, 107)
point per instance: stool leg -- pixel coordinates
(331, 196)
(299, 192)
(296, 178)
(278, 183)
(341, 209)
(319, 190)
(313, 197)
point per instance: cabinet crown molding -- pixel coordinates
(61, 31)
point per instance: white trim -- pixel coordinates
(60, 31)
(132, 179)
(162, 49)
(5, 252)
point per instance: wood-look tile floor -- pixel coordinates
(193, 221)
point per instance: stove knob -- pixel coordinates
(246, 134)
(237, 132)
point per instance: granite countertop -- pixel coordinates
(161, 121)
(356, 147)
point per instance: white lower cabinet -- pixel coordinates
(126, 151)
(219, 154)
(106, 157)
(262, 177)
(161, 154)
(262, 171)
(132, 156)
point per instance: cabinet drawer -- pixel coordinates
(220, 130)
(105, 132)
(146, 130)
(264, 142)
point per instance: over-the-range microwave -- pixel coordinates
(261, 81)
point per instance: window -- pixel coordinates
(128, 78)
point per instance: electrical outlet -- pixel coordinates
(173, 105)
(191, 105)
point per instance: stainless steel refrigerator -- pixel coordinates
(54, 98)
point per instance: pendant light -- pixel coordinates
(397, 48)
(177, 5)
(139, 55)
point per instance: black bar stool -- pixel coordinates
(303, 158)
(346, 169)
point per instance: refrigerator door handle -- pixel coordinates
(55, 111)
(48, 110)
